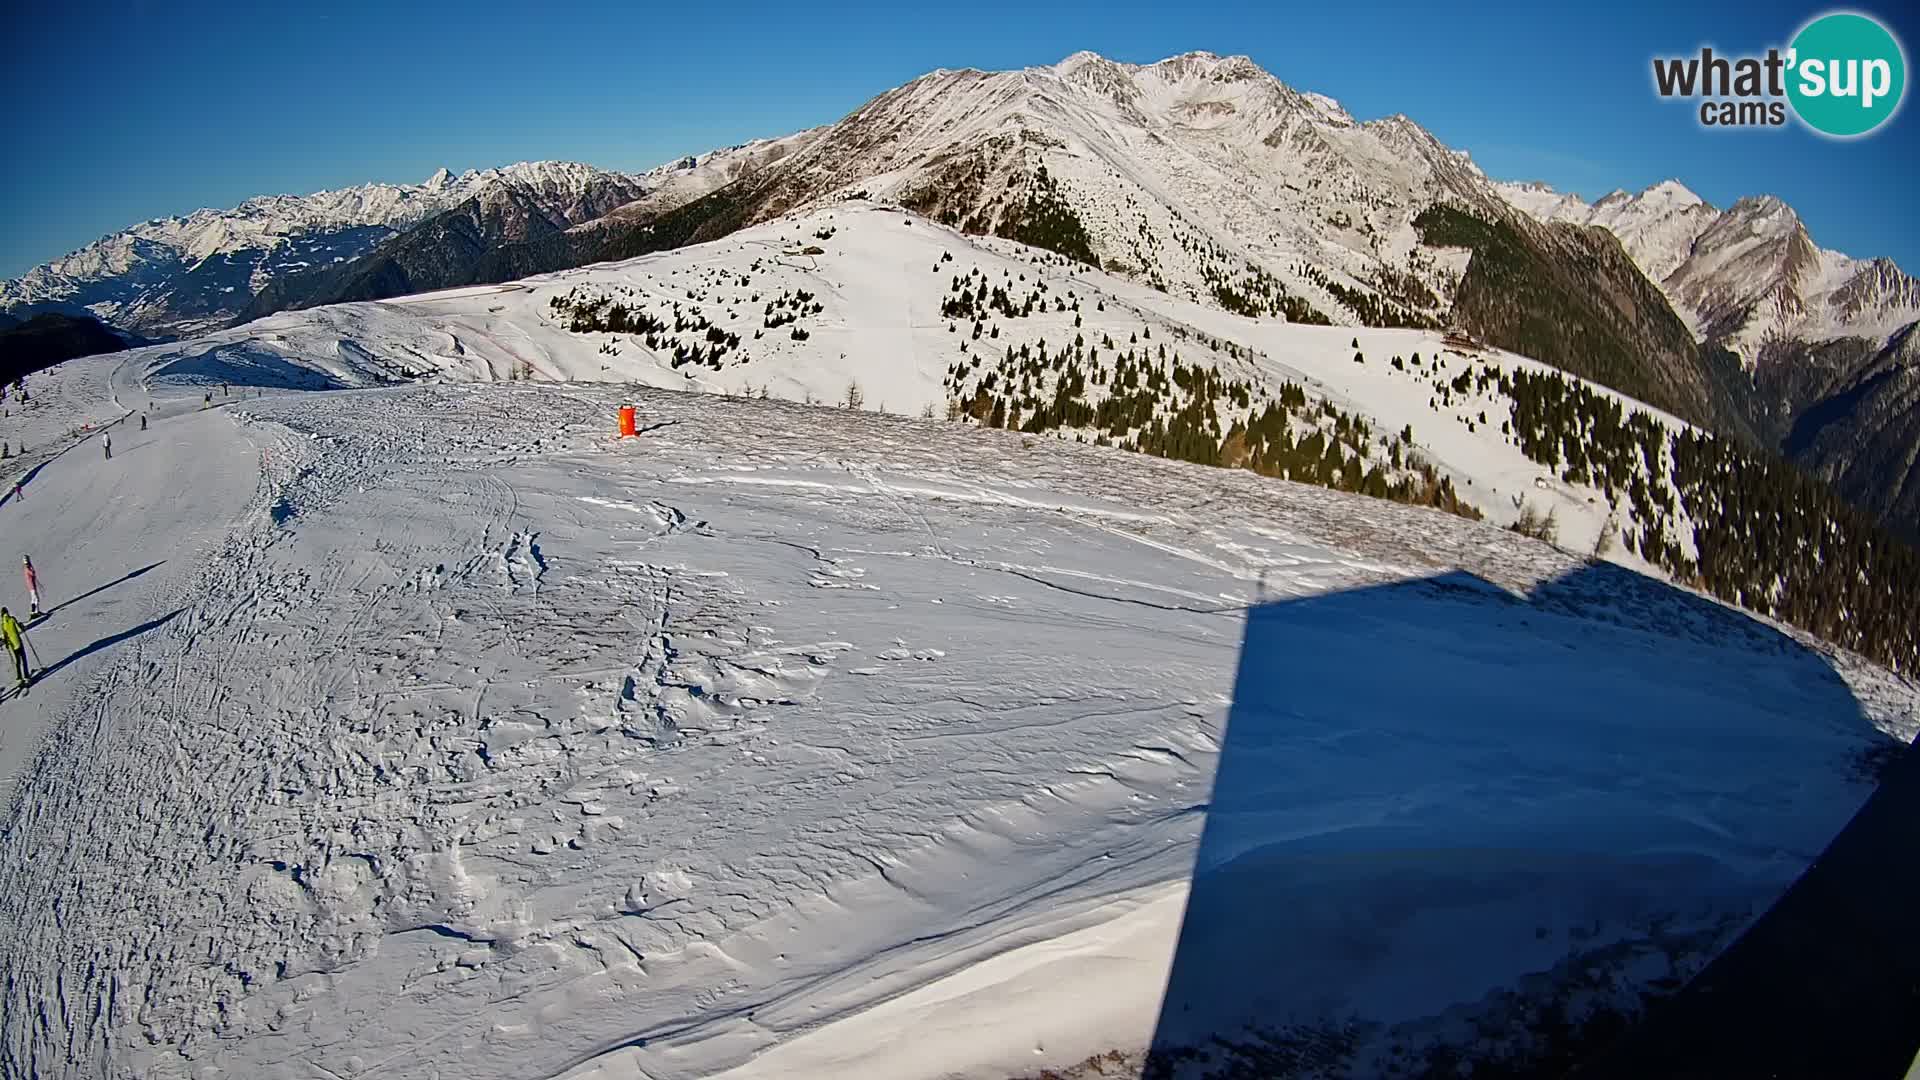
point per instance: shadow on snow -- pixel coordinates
(1454, 830)
(21, 482)
(1827, 983)
(107, 643)
(248, 366)
(98, 589)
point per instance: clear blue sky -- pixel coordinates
(120, 112)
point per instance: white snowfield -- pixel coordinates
(880, 279)
(448, 735)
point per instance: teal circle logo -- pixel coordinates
(1847, 75)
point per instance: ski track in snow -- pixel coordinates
(480, 743)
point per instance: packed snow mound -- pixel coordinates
(484, 743)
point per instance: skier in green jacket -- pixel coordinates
(16, 642)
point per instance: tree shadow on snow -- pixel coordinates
(1456, 830)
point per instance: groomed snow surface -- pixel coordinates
(448, 735)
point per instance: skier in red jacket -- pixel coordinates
(33, 585)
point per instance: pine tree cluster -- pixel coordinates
(1259, 295)
(1403, 287)
(690, 337)
(1047, 220)
(789, 307)
(1371, 309)
(1765, 536)
(1145, 398)
(970, 298)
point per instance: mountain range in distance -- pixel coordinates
(1200, 175)
(179, 276)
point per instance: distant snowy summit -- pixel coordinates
(177, 276)
(1743, 276)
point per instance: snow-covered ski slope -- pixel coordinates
(456, 737)
(873, 318)
(111, 540)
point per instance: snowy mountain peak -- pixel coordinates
(1399, 131)
(1674, 192)
(1543, 201)
(1198, 63)
(1201, 145)
(1764, 211)
(1742, 277)
(179, 275)
(1083, 59)
(1332, 112)
(1200, 66)
(1098, 74)
(1753, 275)
(535, 174)
(1240, 67)
(1194, 61)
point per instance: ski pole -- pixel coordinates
(31, 651)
